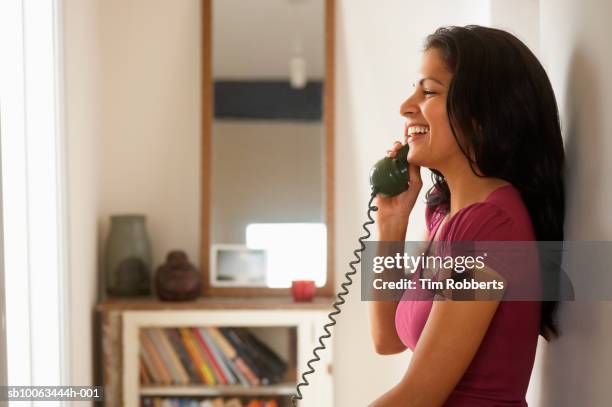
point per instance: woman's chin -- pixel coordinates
(416, 159)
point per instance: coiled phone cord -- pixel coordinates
(339, 301)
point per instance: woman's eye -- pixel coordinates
(427, 92)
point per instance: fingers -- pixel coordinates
(393, 151)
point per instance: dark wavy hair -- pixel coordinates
(501, 100)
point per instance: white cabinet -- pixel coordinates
(292, 331)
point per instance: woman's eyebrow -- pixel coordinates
(431, 79)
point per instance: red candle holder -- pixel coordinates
(303, 290)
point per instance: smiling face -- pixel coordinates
(426, 108)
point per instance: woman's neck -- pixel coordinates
(467, 188)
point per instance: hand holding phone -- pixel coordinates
(397, 184)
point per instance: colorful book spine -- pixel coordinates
(191, 347)
(174, 337)
(210, 357)
(146, 342)
(233, 402)
(219, 357)
(207, 362)
(218, 402)
(243, 353)
(180, 369)
(227, 353)
(146, 359)
(144, 376)
(246, 370)
(232, 354)
(155, 336)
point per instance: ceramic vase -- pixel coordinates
(128, 257)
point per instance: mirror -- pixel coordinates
(267, 146)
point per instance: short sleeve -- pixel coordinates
(463, 241)
(483, 230)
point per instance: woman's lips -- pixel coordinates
(416, 136)
(409, 138)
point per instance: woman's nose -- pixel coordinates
(409, 107)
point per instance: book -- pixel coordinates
(146, 342)
(210, 357)
(178, 366)
(219, 357)
(224, 345)
(144, 376)
(246, 370)
(263, 355)
(194, 352)
(205, 360)
(277, 360)
(243, 353)
(230, 354)
(234, 402)
(174, 337)
(154, 335)
(145, 359)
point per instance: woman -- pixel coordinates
(493, 143)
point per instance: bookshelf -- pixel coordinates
(290, 329)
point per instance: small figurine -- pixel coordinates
(177, 279)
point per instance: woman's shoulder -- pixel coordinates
(501, 216)
(479, 221)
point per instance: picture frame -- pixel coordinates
(236, 265)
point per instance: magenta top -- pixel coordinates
(500, 371)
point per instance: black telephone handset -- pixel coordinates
(388, 177)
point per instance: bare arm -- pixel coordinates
(449, 341)
(392, 223)
(382, 313)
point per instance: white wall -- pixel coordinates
(521, 17)
(576, 52)
(149, 126)
(82, 126)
